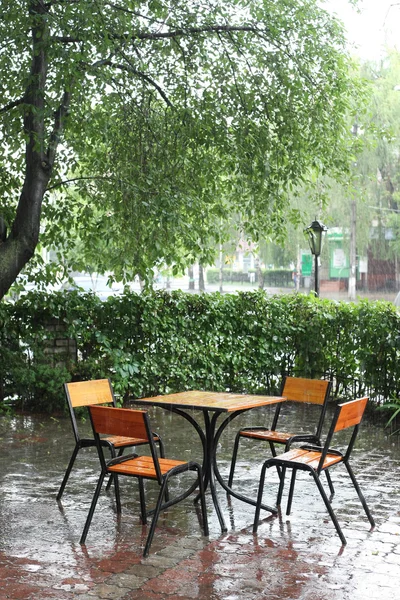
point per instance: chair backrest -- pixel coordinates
(347, 415)
(122, 422)
(350, 414)
(86, 393)
(312, 391)
(307, 391)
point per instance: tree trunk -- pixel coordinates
(202, 287)
(191, 277)
(260, 275)
(353, 257)
(18, 248)
(221, 266)
(353, 243)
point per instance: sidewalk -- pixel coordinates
(291, 558)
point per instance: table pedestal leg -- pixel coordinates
(229, 490)
(209, 439)
(211, 450)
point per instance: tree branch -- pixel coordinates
(168, 34)
(233, 70)
(55, 2)
(34, 95)
(59, 119)
(11, 105)
(66, 39)
(68, 181)
(130, 69)
(132, 12)
(65, 182)
(195, 31)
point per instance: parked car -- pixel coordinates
(397, 300)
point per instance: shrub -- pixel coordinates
(165, 342)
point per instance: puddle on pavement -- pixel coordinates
(36, 450)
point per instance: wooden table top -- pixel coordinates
(217, 401)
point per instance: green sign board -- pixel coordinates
(306, 264)
(338, 254)
(338, 261)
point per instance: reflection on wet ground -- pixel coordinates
(297, 557)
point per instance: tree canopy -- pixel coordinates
(374, 180)
(168, 116)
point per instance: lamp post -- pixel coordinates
(314, 233)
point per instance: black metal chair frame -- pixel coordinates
(91, 443)
(304, 437)
(283, 461)
(161, 478)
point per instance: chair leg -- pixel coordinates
(117, 493)
(360, 494)
(329, 480)
(155, 517)
(203, 501)
(161, 447)
(143, 514)
(291, 491)
(329, 507)
(233, 461)
(162, 455)
(281, 485)
(259, 496)
(166, 494)
(274, 454)
(111, 478)
(68, 472)
(109, 482)
(92, 507)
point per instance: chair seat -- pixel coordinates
(143, 466)
(119, 441)
(279, 437)
(299, 456)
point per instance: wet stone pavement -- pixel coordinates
(299, 557)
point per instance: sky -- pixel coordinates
(376, 25)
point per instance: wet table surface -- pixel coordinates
(211, 401)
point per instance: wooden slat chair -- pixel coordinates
(85, 393)
(317, 459)
(295, 389)
(136, 423)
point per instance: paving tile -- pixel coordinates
(296, 557)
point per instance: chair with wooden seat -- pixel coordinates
(295, 389)
(136, 423)
(83, 394)
(318, 459)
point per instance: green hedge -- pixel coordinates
(166, 342)
(271, 277)
(278, 278)
(229, 275)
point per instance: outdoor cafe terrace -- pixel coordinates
(291, 557)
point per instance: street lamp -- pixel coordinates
(314, 233)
